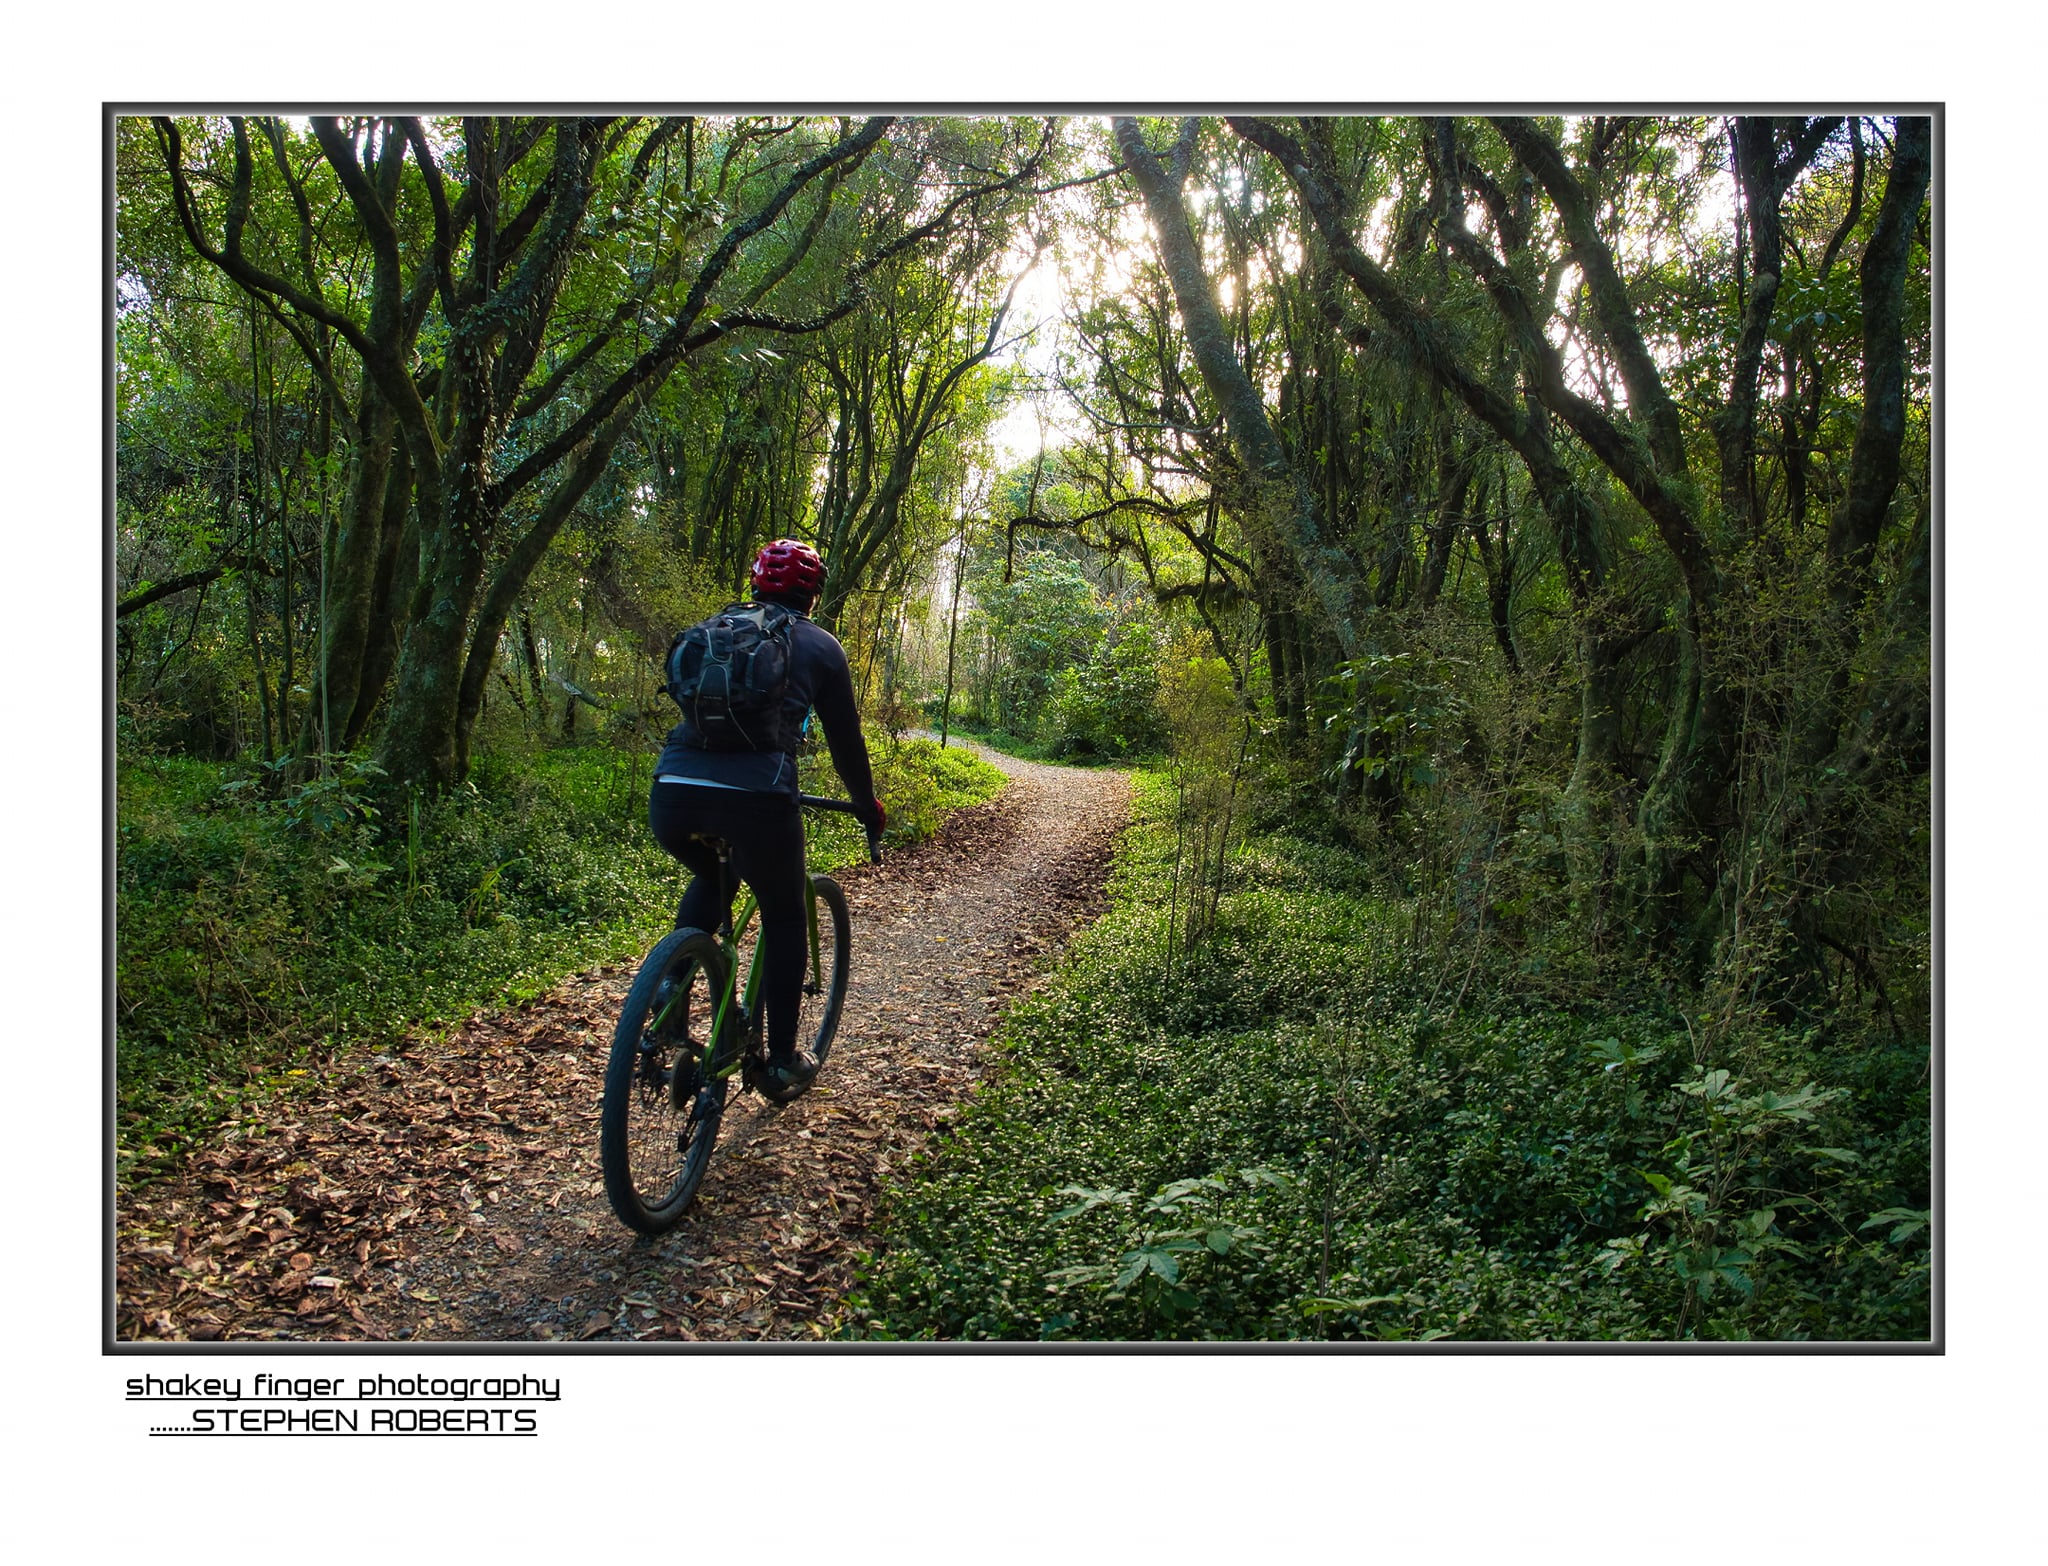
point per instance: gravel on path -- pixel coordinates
(449, 1190)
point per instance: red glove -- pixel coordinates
(881, 818)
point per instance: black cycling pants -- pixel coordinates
(766, 835)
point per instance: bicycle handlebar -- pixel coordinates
(845, 807)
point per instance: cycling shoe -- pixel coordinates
(781, 1081)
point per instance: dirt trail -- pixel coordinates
(450, 1191)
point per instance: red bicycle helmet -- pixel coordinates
(788, 569)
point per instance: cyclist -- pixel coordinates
(748, 799)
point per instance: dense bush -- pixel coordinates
(1295, 1137)
(1108, 706)
(261, 925)
(1046, 618)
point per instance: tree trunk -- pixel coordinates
(1858, 518)
(1880, 430)
(357, 539)
(1764, 176)
(420, 740)
(953, 633)
(1454, 481)
(391, 596)
(1594, 764)
(535, 682)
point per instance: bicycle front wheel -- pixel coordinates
(827, 955)
(661, 1104)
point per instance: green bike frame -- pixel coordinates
(751, 994)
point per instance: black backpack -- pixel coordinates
(730, 675)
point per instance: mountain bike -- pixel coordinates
(684, 1033)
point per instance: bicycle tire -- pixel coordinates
(661, 1107)
(823, 995)
(824, 992)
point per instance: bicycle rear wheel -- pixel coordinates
(824, 992)
(823, 995)
(661, 1105)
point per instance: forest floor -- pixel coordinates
(448, 1189)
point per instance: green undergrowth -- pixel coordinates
(1280, 1139)
(261, 928)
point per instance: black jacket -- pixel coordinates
(818, 678)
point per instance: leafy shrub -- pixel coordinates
(1046, 618)
(1109, 705)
